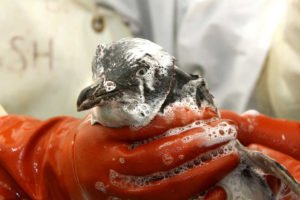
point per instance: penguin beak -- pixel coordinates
(86, 98)
(92, 96)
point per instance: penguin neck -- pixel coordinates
(188, 86)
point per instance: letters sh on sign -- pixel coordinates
(46, 52)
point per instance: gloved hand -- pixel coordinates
(68, 158)
(276, 138)
(278, 134)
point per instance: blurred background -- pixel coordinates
(248, 51)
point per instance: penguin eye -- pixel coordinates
(142, 71)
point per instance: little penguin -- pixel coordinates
(134, 79)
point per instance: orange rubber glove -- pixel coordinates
(278, 134)
(277, 138)
(67, 158)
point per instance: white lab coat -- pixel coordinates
(277, 92)
(46, 52)
(226, 40)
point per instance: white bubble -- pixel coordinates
(167, 159)
(109, 86)
(100, 186)
(122, 160)
(113, 198)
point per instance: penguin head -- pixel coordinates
(132, 78)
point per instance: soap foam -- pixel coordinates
(286, 193)
(129, 181)
(213, 135)
(100, 186)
